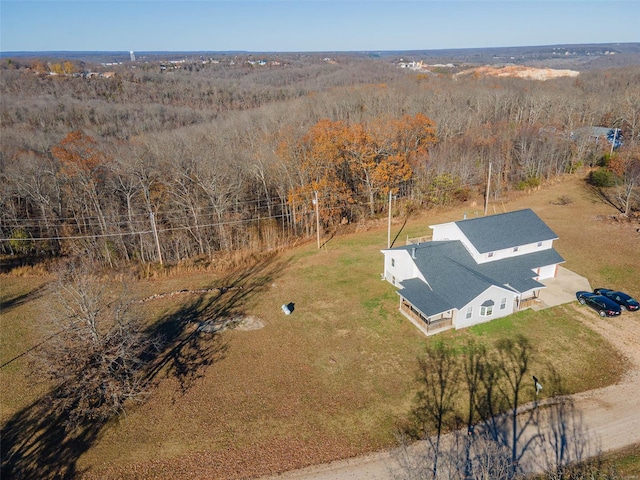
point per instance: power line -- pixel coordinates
(177, 228)
(140, 232)
(93, 220)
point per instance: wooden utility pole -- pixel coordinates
(486, 201)
(389, 225)
(315, 202)
(155, 235)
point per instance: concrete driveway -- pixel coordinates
(562, 288)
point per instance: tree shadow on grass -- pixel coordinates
(189, 339)
(604, 196)
(11, 262)
(7, 303)
(36, 441)
(495, 435)
(36, 444)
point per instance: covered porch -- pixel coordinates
(529, 299)
(429, 325)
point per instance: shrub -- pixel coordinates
(531, 182)
(602, 177)
(21, 242)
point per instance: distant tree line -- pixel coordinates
(149, 167)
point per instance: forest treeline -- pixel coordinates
(148, 166)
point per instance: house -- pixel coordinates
(598, 135)
(474, 270)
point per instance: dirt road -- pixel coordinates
(610, 416)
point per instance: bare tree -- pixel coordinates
(438, 378)
(626, 165)
(513, 357)
(473, 369)
(96, 357)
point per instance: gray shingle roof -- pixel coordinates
(423, 298)
(454, 278)
(450, 271)
(517, 272)
(591, 132)
(505, 230)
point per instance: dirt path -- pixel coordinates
(610, 415)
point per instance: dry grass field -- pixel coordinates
(331, 380)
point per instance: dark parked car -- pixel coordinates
(620, 298)
(601, 304)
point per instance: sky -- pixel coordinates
(310, 25)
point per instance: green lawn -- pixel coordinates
(331, 380)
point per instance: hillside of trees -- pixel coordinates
(164, 163)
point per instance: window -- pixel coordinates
(393, 262)
(393, 279)
(486, 309)
(469, 311)
(515, 249)
(539, 244)
(490, 254)
(503, 303)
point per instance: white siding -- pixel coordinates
(398, 265)
(450, 231)
(492, 293)
(509, 252)
(446, 231)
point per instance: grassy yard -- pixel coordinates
(334, 378)
(626, 462)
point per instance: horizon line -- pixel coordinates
(25, 52)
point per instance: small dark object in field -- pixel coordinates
(288, 308)
(563, 200)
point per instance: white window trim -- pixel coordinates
(486, 311)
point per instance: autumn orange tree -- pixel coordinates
(83, 171)
(626, 165)
(403, 147)
(64, 68)
(39, 66)
(362, 154)
(380, 154)
(78, 152)
(353, 163)
(322, 170)
(413, 136)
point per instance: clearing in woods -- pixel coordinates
(332, 379)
